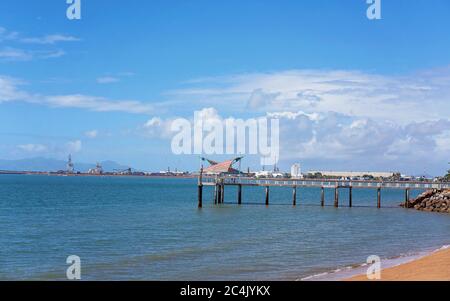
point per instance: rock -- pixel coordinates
(433, 200)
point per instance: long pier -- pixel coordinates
(220, 183)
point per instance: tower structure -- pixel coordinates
(70, 167)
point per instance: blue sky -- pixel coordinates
(350, 93)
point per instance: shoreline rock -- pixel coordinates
(433, 200)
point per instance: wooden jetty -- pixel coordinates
(219, 183)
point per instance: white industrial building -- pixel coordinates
(296, 171)
(352, 174)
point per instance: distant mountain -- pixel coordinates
(46, 164)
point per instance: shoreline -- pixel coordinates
(357, 272)
(430, 266)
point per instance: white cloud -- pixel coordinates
(52, 149)
(156, 127)
(107, 80)
(6, 35)
(15, 54)
(260, 99)
(50, 39)
(210, 113)
(91, 134)
(114, 78)
(98, 104)
(126, 74)
(50, 54)
(346, 140)
(8, 53)
(9, 91)
(340, 117)
(73, 146)
(367, 95)
(33, 148)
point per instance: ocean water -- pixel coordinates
(139, 228)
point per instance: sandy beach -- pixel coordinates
(433, 267)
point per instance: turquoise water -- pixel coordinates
(150, 229)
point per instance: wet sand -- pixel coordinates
(435, 266)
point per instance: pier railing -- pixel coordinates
(327, 183)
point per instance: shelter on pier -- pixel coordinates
(222, 168)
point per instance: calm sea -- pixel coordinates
(151, 229)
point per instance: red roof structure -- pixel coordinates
(225, 167)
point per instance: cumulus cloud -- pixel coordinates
(156, 127)
(355, 141)
(346, 141)
(259, 99)
(402, 98)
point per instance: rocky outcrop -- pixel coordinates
(435, 200)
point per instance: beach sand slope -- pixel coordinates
(435, 266)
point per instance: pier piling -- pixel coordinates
(239, 194)
(200, 189)
(336, 196)
(322, 196)
(407, 198)
(294, 196)
(222, 195)
(267, 195)
(215, 194)
(379, 197)
(219, 193)
(350, 195)
(200, 195)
